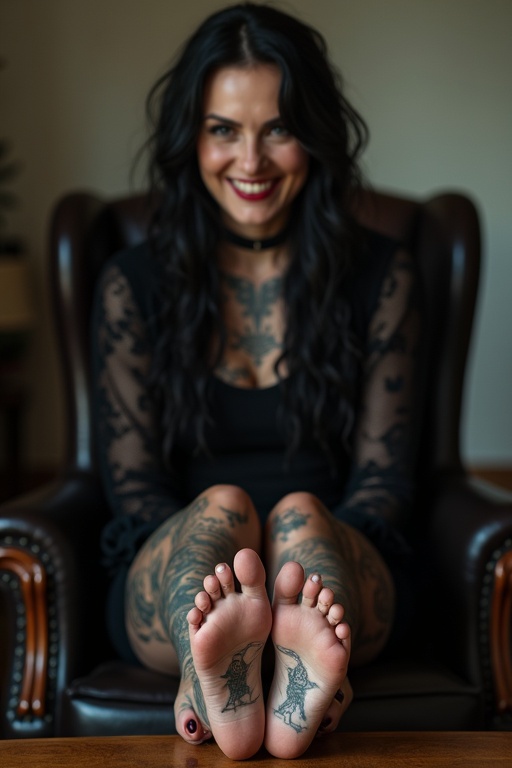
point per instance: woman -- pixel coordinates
(255, 366)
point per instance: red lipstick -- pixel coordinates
(254, 190)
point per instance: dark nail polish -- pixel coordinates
(326, 722)
(191, 726)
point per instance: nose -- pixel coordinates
(252, 158)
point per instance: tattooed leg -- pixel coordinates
(312, 646)
(302, 530)
(228, 631)
(164, 579)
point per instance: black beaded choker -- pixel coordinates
(255, 245)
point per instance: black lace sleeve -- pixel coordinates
(139, 489)
(380, 485)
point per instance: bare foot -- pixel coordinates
(228, 631)
(337, 708)
(188, 723)
(312, 647)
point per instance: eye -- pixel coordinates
(221, 130)
(279, 130)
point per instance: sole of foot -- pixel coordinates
(228, 631)
(312, 650)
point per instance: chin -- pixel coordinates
(271, 223)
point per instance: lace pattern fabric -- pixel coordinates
(380, 485)
(141, 490)
(138, 488)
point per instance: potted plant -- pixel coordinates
(15, 305)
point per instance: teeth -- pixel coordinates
(249, 188)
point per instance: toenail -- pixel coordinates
(220, 568)
(316, 578)
(191, 726)
(326, 722)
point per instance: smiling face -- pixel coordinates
(248, 161)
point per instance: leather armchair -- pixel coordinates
(58, 673)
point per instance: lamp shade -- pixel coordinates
(15, 305)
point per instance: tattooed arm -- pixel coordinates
(139, 490)
(380, 483)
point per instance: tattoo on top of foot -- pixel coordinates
(240, 693)
(198, 704)
(298, 685)
(289, 521)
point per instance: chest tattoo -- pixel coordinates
(257, 306)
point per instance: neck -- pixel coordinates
(255, 244)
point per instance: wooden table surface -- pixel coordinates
(350, 750)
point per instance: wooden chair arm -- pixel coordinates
(31, 696)
(500, 632)
(49, 564)
(470, 537)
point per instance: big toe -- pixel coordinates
(250, 572)
(190, 727)
(289, 582)
(336, 709)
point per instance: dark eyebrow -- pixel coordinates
(227, 121)
(220, 119)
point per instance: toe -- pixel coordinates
(225, 578)
(190, 727)
(203, 602)
(311, 590)
(325, 600)
(336, 614)
(250, 572)
(342, 632)
(195, 619)
(336, 709)
(288, 584)
(213, 587)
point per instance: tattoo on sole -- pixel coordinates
(163, 593)
(240, 693)
(298, 685)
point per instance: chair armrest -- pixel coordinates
(470, 541)
(49, 568)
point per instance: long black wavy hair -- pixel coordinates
(318, 351)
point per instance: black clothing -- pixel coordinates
(372, 484)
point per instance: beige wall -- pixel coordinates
(432, 78)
